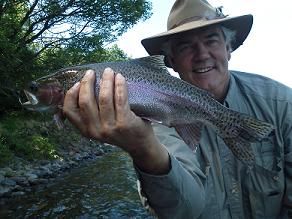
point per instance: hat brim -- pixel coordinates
(240, 24)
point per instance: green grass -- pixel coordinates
(5, 153)
(27, 135)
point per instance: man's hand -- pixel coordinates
(111, 120)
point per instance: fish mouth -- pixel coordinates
(31, 99)
(34, 104)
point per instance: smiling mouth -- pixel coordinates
(203, 70)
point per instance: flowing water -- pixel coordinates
(105, 188)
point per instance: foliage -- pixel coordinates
(5, 154)
(56, 58)
(30, 137)
(38, 36)
(23, 137)
(43, 146)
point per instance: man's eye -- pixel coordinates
(184, 47)
(212, 42)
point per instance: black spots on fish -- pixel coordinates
(255, 129)
(69, 77)
(155, 62)
(239, 130)
(233, 131)
(241, 149)
(231, 124)
(158, 77)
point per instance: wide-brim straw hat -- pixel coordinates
(187, 15)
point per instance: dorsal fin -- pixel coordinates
(156, 61)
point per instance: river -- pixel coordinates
(105, 188)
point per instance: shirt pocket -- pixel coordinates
(265, 191)
(265, 205)
(268, 153)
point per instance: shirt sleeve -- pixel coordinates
(180, 193)
(287, 135)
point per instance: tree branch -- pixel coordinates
(28, 13)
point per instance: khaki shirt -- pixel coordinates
(210, 182)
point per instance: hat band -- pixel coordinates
(218, 15)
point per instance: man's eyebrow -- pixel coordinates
(184, 41)
(181, 42)
(210, 35)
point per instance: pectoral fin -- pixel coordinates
(191, 133)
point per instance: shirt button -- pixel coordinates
(275, 178)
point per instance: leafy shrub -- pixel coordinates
(5, 154)
(22, 136)
(42, 148)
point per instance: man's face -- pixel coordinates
(201, 58)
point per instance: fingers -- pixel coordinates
(105, 99)
(122, 107)
(87, 104)
(104, 119)
(70, 108)
(80, 106)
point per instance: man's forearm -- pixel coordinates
(176, 194)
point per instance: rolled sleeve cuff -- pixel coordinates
(174, 195)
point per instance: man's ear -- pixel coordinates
(229, 50)
(171, 62)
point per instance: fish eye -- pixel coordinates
(33, 87)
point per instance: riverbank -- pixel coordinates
(39, 152)
(103, 188)
(21, 177)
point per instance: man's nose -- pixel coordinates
(202, 52)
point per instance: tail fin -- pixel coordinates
(247, 130)
(241, 149)
(254, 130)
(237, 134)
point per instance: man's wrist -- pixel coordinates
(154, 160)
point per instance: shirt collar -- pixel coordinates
(233, 95)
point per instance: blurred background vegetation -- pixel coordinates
(38, 37)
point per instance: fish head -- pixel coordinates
(45, 95)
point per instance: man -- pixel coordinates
(209, 182)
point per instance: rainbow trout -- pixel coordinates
(159, 97)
